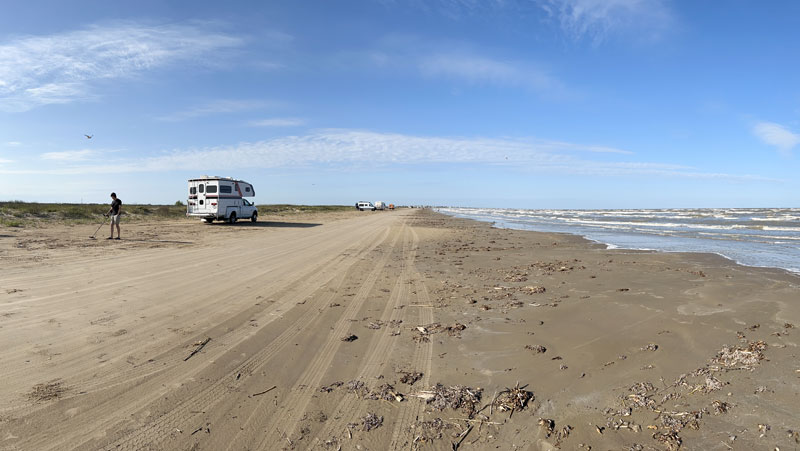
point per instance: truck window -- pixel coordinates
(225, 189)
(201, 188)
(212, 189)
(193, 190)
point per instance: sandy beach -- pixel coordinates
(404, 330)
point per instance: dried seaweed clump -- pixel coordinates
(385, 392)
(371, 421)
(670, 439)
(331, 387)
(539, 349)
(410, 377)
(739, 358)
(550, 430)
(47, 391)
(534, 289)
(454, 397)
(720, 407)
(516, 398)
(357, 387)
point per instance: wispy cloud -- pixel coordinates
(13, 144)
(277, 122)
(354, 149)
(459, 62)
(61, 68)
(215, 107)
(597, 19)
(778, 136)
(70, 155)
(3, 161)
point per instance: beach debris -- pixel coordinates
(456, 397)
(623, 289)
(385, 392)
(350, 338)
(371, 421)
(334, 304)
(534, 289)
(331, 387)
(200, 345)
(763, 429)
(762, 389)
(548, 425)
(754, 327)
(53, 389)
(265, 391)
(670, 439)
(512, 399)
(516, 277)
(739, 358)
(720, 407)
(375, 325)
(562, 367)
(788, 326)
(356, 386)
(794, 435)
(539, 349)
(650, 347)
(410, 377)
(428, 431)
(434, 328)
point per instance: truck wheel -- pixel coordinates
(254, 218)
(208, 221)
(232, 218)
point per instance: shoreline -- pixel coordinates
(616, 246)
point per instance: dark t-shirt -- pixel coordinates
(115, 204)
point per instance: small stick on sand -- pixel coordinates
(265, 391)
(491, 405)
(202, 345)
(461, 438)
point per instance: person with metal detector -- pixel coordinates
(114, 214)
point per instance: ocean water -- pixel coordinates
(767, 237)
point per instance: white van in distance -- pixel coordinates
(221, 198)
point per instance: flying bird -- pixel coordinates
(88, 136)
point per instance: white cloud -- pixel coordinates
(277, 122)
(2, 161)
(13, 144)
(216, 107)
(456, 61)
(60, 68)
(597, 19)
(476, 68)
(777, 135)
(353, 149)
(70, 155)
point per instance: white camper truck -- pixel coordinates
(380, 205)
(221, 198)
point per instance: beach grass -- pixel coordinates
(31, 214)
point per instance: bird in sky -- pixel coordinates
(88, 136)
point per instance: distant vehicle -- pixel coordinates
(391, 206)
(379, 205)
(221, 198)
(363, 205)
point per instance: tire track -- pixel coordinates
(308, 382)
(351, 407)
(212, 393)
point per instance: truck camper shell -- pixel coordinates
(221, 198)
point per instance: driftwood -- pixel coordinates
(265, 391)
(197, 349)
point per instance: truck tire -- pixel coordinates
(254, 218)
(232, 218)
(208, 220)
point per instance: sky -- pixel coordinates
(494, 103)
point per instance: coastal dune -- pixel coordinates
(387, 330)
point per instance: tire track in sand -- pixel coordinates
(300, 395)
(351, 407)
(211, 394)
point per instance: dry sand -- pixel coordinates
(331, 331)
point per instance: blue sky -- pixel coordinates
(503, 103)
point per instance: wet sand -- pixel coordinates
(387, 330)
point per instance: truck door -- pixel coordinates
(201, 197)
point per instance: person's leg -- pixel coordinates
(118, 236)
(112, 228)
